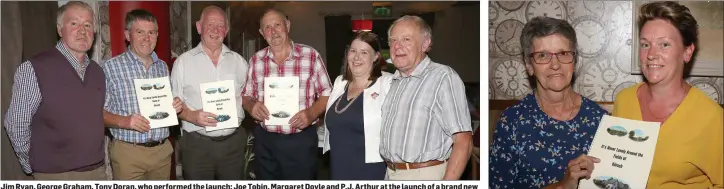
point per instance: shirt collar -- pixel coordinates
(74, 61)
(418, 71)
(199, 49)
(154, 56)
(296, 51)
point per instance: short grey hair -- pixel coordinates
(139, 14)
(272, 10)
(210, 8)
(539, 27)
(66, 6)
(425, 29)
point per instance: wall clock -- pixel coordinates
(510, 5)
(709, 88)
(592, 37)
(607, 94)
(623, 58)
(553, 9)
(577, 9)
(578, 68)
(493, 12)
(598, 75)
(620, 21)
(507, 36)
(510, 78)
(491, 40)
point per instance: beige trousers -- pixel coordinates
(97, 174)
(133, 162)
(426, 173)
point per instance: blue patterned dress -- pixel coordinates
(531, 150)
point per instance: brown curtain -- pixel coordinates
(12, 55)
(27, 29)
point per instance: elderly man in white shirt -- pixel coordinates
(218, 154)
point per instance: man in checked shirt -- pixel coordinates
(55, 122)
(283, 153)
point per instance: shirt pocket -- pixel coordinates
(124, 89)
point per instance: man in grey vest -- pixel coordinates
(55, 119)
(426, 132)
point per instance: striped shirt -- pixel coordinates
(121, 95)
(25, 101)
(303, 62)
(421, 114)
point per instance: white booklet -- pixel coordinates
(156, 101)
(219, 98)
(281, 98)
(626, 149)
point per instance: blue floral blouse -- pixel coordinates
(531, 150)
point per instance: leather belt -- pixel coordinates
(147, 144)
(218, 138)
(407, 166)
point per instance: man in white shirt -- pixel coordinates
(218, 154)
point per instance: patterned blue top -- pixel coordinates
(121, 96)
(531, 150)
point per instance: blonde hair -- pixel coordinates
(678, 15)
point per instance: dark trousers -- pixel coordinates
(285, 157)
(206, 158)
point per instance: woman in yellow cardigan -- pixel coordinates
(689, 149)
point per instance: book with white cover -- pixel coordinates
(155, 101)
(281, 98)
(626, 149)
(219, 98)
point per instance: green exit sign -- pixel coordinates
(382, 11)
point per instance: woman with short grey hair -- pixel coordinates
(541, 142)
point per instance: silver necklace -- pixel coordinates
(336, 104)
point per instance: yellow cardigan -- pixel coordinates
(689, 149)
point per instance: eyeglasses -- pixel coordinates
(564, 57)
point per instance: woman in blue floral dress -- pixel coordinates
(541, 142)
